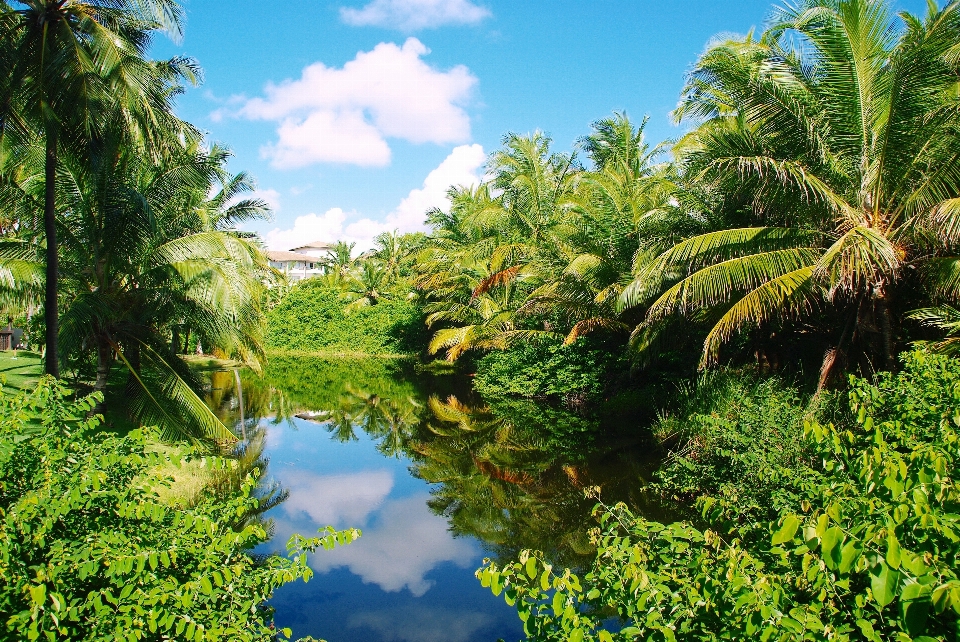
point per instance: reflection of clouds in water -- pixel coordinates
(406, 543)
(421, 624)
(336, 500)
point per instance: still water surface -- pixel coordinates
(436, 479)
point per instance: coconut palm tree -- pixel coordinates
(830, 149)
(368, 286)
(69, 67)
(338, 262)
(145, 248)
(621, 207)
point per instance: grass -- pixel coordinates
(21, 369)
(189, 479)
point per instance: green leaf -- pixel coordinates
(791, 523)
(38, 595)
(893, 551)
(884, 582)
(830, 547)
(531, 567)
(849, 555)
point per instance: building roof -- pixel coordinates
(280, 256)
(315, 245)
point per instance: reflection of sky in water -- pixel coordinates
(406, 580)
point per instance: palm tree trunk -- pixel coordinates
(888, 343)
(836, 358)
(104, 360)
(52, 363)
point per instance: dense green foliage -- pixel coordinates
(860, 538)
(311, 318)
(813, 203)
(117, 216)
(732, 427)
(575, 373)
(89, 551)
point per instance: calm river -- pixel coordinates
(436, 479)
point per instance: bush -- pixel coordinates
(577, 374)
(89, 551)
(739, 439)
(870, 552)
(310, 318)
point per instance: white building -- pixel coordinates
(301, 262)
(296, 266)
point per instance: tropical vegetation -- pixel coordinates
(91, 550)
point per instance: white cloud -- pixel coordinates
(345, 115)
(411, 15)
(405, 543)
(336, 500)
(311, 227)
(270, 196)
(421, 624)
(461, 167)
(328, 137)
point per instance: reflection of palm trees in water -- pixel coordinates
(248, 458)
(226, 398)
(502, 482)
(512, 475)
(388, 420)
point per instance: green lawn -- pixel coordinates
(21, 371)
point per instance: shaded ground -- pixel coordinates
(20, 369)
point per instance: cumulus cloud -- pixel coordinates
(405, 543)
(412, 15)
(269, 196)
(311, 227)
(460, 168)
(336, 500)
(346, 115)
(421, 624)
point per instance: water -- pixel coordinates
(435, 478)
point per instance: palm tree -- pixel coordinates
(367, 287)
(623, 204)
(67, 66)
(829, 148)
(339, 261)
(489, 253)
(146, 248)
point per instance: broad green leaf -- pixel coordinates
(884, 582)
(787, 530)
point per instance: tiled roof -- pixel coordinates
(285, 257)
(315, 245)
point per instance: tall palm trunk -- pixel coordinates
(52, 365)
(104, 360)
(888, 341)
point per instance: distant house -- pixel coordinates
(295, 265)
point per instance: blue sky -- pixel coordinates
(354, 116)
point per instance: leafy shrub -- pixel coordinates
(576, 374)
(311, 318)
(739, 440)
(88, 551)
(869, 553)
